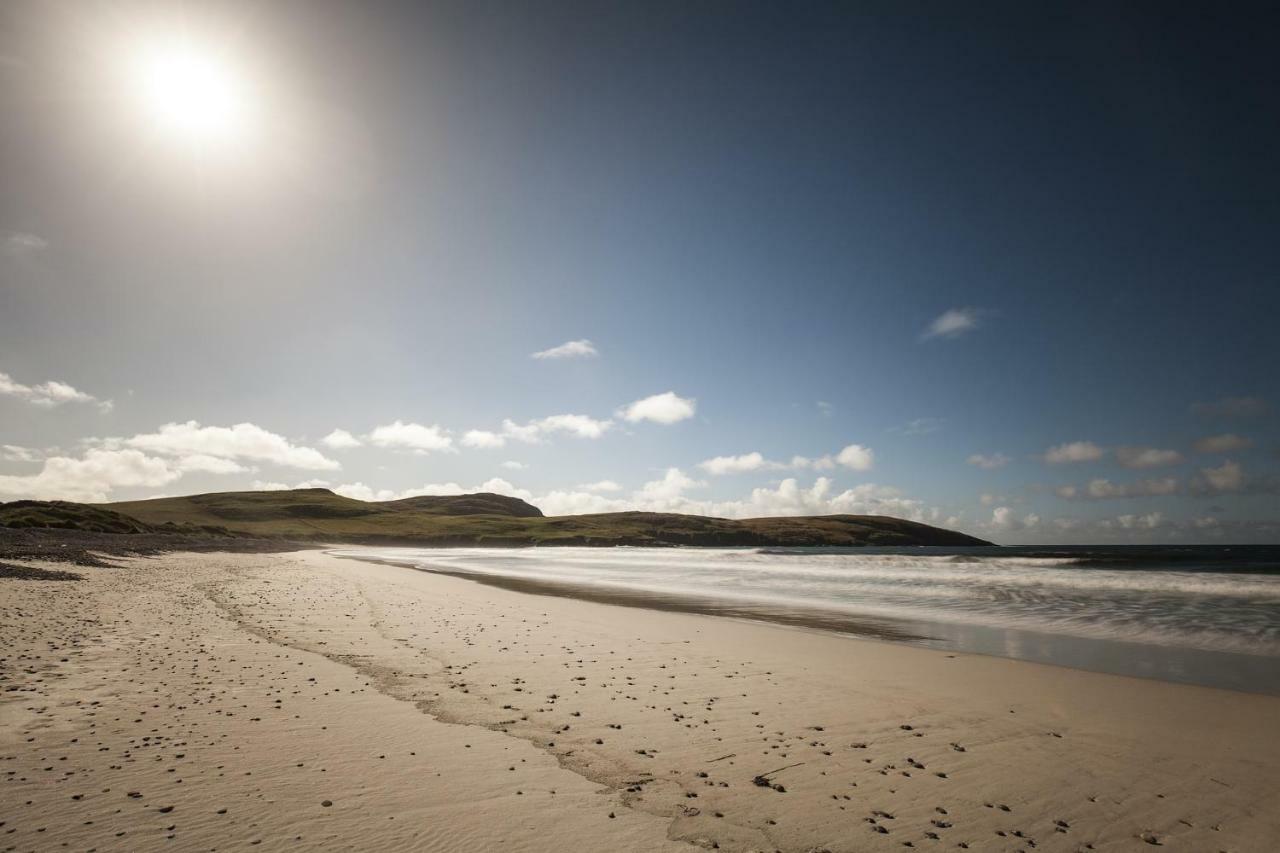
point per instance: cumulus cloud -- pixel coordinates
(853, 456)
(14, 453)
(671, 493)
(601, 486)
(241, 441)
(92, 477)
(482, 438)
(1231, 407)
(269, 486)
(1224, 479)
(718, 465)
(497, 485)
(666, 494)
(158, 459)
(856, 457)
(360, 492)
(48, 394)
(1073, 451)
(790, 498)
(952, 324)
(665, 408)
(1004, 518)
(1147, 457)
(989, 461)
(19, 244)
(1148, 521)
(569, 349)
(513, 465)
(1101, 488)
(580, 426)
(412, 436)
(1225, 443)
(340, 439)
(536, 431)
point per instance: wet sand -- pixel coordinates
(298, 701)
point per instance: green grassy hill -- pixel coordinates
(64, 515)
(488, 519)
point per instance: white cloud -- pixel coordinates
(412, 436)
(1101, 488)
(558, 502)
(1149, 521)
(853, 456)
(535, 431)
(529, 433)
(1227, 477)
(952, 324)
(787, 498)
(825, 407)
(158, 459)
(569, 349)
(268, 486)
(361, 492)
(512, 465)
(665, 408)
(1004, 518)
(48, 394)
(753, 461)
(600, 486)
(1231, 407)
(92, 477)
(580, 426)
(497, 485)
(989, 461)
(667, 494)
(856, 457)
(19, 244)
(340, 439)
(1226, 443)
(241, 441)
(1147, 457)
(482, 438)
(14, 453)
(1074, 451)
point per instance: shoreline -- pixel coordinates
(1238, 671)
(271, 683)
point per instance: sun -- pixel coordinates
(192, 92)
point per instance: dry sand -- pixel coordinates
(298, 701)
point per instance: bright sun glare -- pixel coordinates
(192, 92)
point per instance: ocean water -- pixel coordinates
(1203, 614)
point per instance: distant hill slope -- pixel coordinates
(64, 515)
(489, 519)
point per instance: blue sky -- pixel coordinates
(931, 237)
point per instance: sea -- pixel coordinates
(1206, 615)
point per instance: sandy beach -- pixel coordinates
(299, 701)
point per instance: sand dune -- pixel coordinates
(299, 701)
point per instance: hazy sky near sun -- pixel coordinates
(1011, 268)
